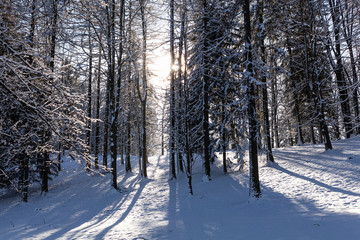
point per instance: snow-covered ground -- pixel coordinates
(307, 194)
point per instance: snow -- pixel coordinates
(307, 194)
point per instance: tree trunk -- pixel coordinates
(26, 179)
(296, 108)
(112, 89)
(89, 125)
(254, 182)
(265, 107)
(143, 95)
(205, 90)
(106, 126)
(179, 106)
(224, 135)
(128, 138)
(129, 115)
(119, 75)
(172, 94)
(188, 152)
(97, 124)
(47, 136)
(339, 68)
(274, 113)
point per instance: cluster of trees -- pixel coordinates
(74, 80)
(260, 74)
(40, 114)
(244, 75)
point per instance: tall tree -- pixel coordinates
(339, 67)
(205, 87)
(251, 105)
(142, 93)
(112, 88)
(265, 107)
(89, 96)
(172, 93)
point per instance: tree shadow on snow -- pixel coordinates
(221, 209)
(321, 184)
(69, 217)
(101, 210)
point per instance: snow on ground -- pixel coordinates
(307, 194)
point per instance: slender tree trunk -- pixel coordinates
(339, 68)
(89, 125)
(254, 182)
(26, 178)
(119, 75)
(205, 89)
(24, 175)
(112, 89)
(143, 95)
(25, 189)
(188, 153)
(274, 108)
(296, 107)
(97, 124)
(128, 135)
(163, 131)
(139, 149)
(223, 134)
(180, 111)
(129, 115)
(59, 155)
(265, 107)
(172, 94)
(47, 137)
(321, 140)
(106, 126)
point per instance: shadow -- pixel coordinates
(321, 184)
(221, 209)
(106, 213)
(157, 165)
(196, 217)
(173, 196)
(66, 210)
(143, 183)
(64, 214)
(323, 162)
(294, 158)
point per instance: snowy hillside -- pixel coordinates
(308, 194)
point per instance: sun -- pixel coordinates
(160, 68)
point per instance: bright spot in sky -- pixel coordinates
(160, 68)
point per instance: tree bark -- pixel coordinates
(143, 95)
(89, 98)
(205, 89)
(254, 182)
(97, 116)
(269, 155)
(172, 94)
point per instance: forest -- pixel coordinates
(246, 76)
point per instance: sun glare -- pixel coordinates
(160, 67)
(175, 67)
